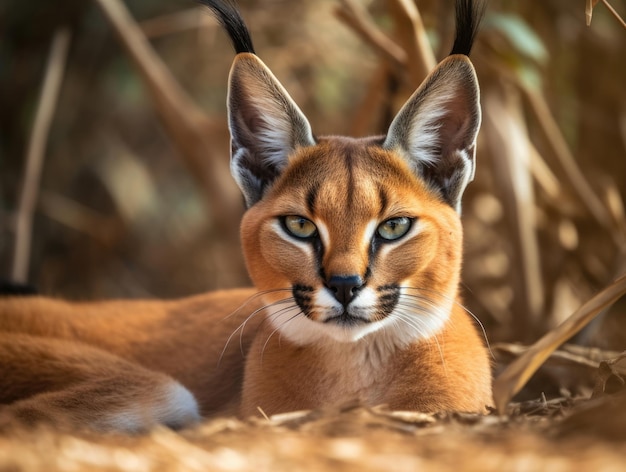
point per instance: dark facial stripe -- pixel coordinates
(302, 296)
(384, 200)
(388, 298)
(350, 186)
(318, 248)
(311, 198)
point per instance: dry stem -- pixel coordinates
(556, 141)
(355, 16)
(53, 79)
(188, 126)
(412, 35)
(509, 140)
(589, 11)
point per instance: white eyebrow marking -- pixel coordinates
(322, 229)
(277, 227)
(368, 234)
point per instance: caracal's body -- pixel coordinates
(354, 246)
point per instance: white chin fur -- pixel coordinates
(400, 328)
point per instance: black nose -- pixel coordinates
(345, 287)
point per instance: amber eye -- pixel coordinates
(394, 228)
(299, 226)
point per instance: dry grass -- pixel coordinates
(350, 439)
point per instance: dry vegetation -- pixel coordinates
(135, 200)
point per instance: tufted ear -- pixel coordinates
(435, 131)
(266, 126)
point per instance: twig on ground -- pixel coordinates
(515, 376)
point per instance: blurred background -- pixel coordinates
(135, 198)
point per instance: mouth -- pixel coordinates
(345, 319)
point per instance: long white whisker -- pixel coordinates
(419, 307)
(417, 324)
(421, 298)
(254, 297)
(409, 319)
(443, 360)
(271, 305)
(284, 311)
(460, 305)
(242, 326)
(482, 329)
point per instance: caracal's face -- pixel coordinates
(349, 242)
(353, 238)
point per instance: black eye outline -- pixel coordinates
(291, 231)
(404, 222)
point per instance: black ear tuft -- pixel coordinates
(229, 17)
(468, 16)
(436, 129)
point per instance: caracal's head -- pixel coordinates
(352, 238)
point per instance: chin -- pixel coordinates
(303, 331)
(349, 333)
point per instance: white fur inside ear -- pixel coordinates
(440, 119)
(424, 137)
(275, 133)
(266, 126)
(244, 177)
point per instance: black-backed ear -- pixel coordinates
(436, 129)
(266, 126)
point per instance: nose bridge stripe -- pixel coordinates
(345, 265)
(350, 256)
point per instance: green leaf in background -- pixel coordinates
(519, 34)
(522, 51)
(529, 75)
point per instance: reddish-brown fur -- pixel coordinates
(451, 371)
(106, 348)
